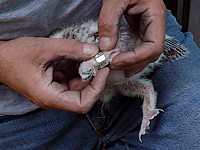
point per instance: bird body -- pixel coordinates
(138, 85)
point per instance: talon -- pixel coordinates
(149, 115)
(140, 135)
(161, 110)
(140, 138)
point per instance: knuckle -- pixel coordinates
(104, 23)
(106, 27)
(71, 48)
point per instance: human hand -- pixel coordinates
(145, 16)
(26, 65)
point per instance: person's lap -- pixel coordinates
(177, 84)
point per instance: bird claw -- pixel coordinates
(149, 115)
(87, 70)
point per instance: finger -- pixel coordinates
(59, 97)
(152, 20)
(110, 14)
(131, 67)
(130, 70)
(93, 91)
(146, 52)
(65, 48)
(59, 77)
(77, 84)
(136, 69)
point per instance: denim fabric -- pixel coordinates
(116, 125)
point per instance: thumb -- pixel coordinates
(109, 18)
(71, 49)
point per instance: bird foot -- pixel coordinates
(149, 115)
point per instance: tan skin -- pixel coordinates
(26, 67)
(148, 17)
(26, 63)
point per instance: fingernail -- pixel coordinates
(90, 49)
(105, 42)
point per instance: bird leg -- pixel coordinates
(142, 88)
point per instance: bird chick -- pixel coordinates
(138, 85)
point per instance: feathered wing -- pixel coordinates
(173, 49)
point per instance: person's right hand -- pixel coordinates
(26, 67)
(147, 17)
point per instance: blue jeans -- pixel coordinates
(117, 125)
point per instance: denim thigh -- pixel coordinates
(46, 130)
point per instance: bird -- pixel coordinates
(138, 85)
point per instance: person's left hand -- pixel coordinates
(148, 17)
